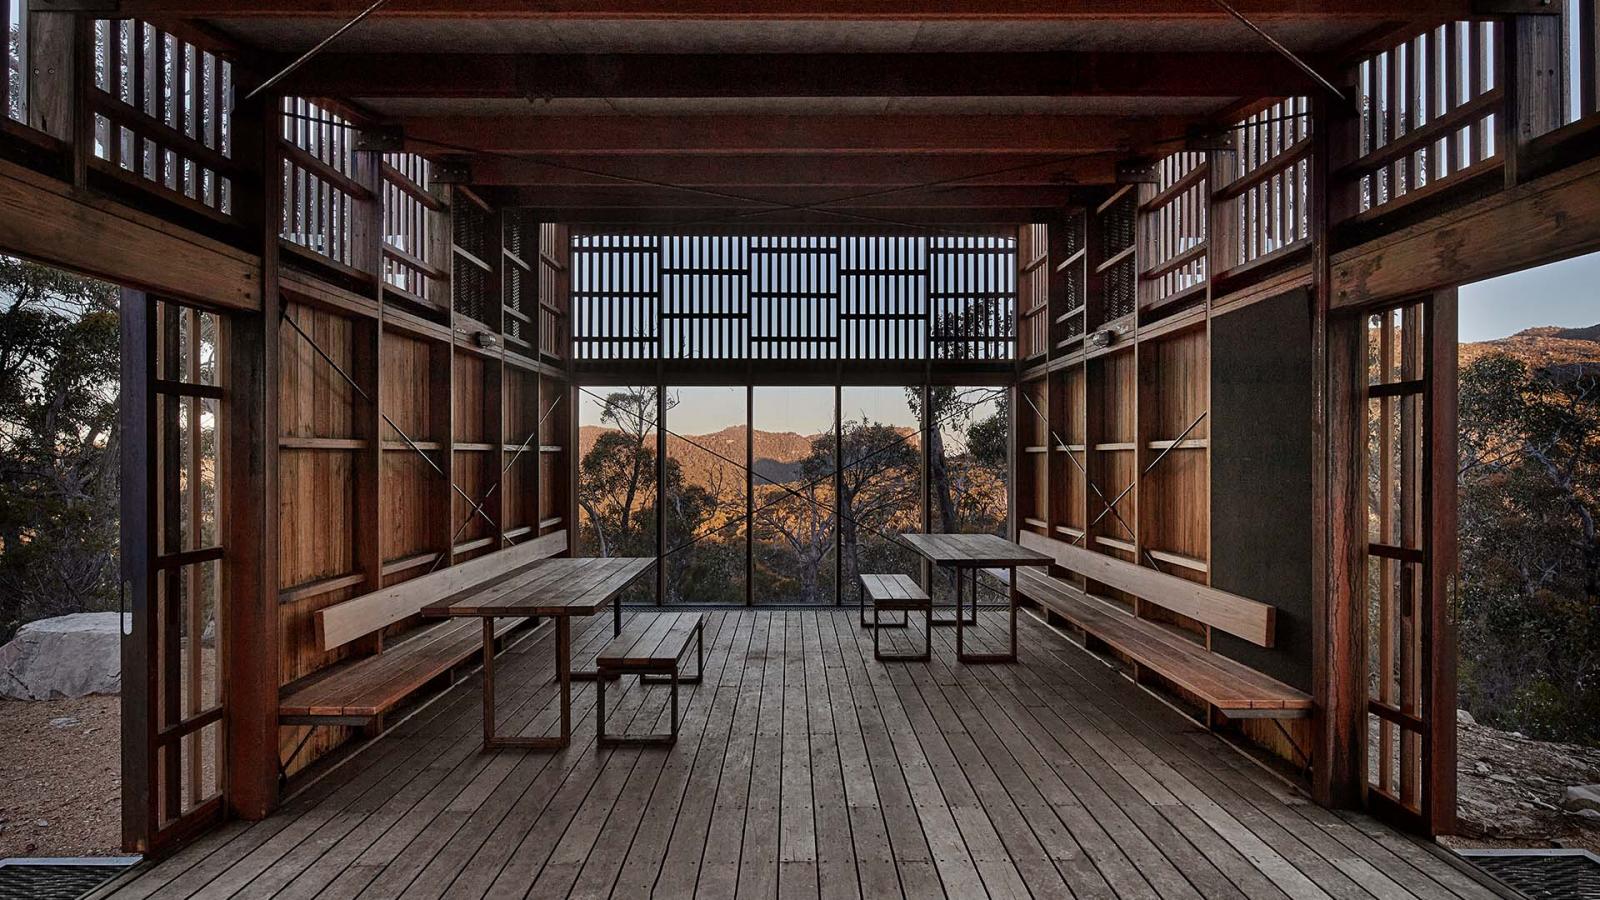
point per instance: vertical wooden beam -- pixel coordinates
(366, 240)
(1339, 510)
(1531, 65)
(250, 487)
(749, 495)
(661, 487)
(1440, 439)
(137, 527)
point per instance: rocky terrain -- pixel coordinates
(1514, 791)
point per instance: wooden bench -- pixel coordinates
(1231, 688)
(889, 593)
(362, 691)
(651, 645)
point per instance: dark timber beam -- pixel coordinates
(653, 75)
(629, 196)
(787, 171)
(942, 219)
(910, 10)
(768, 135)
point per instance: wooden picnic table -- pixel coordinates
(969, 553)
(559, 589)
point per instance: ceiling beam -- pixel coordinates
(938, 218)
(781, 10)
(775, 135)
(643, 197)
(834, 171)
(654, 75)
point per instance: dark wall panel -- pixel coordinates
(1261, 535)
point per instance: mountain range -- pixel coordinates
(1541, 347)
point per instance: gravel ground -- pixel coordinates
(60, 783)
(1511, 787)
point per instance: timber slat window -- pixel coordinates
(177, 622)
(1173, 256)
(1427, 108)
(1262, 196)
(782, 297)
(1410, 461)
(410, 211)
(161, 115)
(322, 187)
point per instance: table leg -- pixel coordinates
(960, 619)
(488, 683)
(563, 676)
(982, 658)
(616, 629)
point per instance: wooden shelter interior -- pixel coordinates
(384, 260)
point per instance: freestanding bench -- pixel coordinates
(891, 593)
(651, 645)
(360, 692)
(1228, 687)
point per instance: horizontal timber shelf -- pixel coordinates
(1115, 544)
(416, 445)
(1069, 448)
(1186, 444)
(321, 443)
(1035, 449)
(1069, 531)
(1115, 446)
(1180, 560)
(1036, 523)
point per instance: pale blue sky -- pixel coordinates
(1565, 293)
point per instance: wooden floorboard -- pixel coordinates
(806, 768)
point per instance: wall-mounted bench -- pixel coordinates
(1234, 689)
(361, 691)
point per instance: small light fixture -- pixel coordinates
(487, 340)
(1102, 339)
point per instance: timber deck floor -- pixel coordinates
(806, 769)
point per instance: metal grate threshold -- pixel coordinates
(26, 878)
(1543, 874)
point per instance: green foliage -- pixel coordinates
(1529, 598)
(59, 350)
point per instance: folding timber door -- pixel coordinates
(173, 404)
(1411, 562)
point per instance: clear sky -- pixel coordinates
(1564, 293)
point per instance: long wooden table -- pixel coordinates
(968, 553)
(559, 589)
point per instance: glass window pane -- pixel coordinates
(794, 502)
(704, 493)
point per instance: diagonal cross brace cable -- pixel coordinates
(478, 507)
(368, 397)
(1110, 507)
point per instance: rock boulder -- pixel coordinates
(67, 656)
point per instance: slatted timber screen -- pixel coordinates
(410, 210)
(1263, 195)
(1068, 301)
(471, 271)
(1397, 425)
(1173, 236)
(1116, 221)
(322, 187)
(1427, 108)
(161, 117)
(554, 287)
(519, 290)
(1033, 291)
(784, 297)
